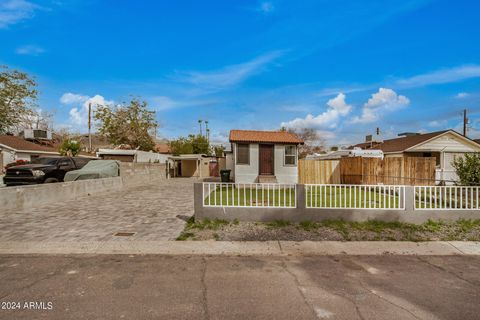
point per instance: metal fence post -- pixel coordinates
(301, 199)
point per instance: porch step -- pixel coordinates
(266, 179)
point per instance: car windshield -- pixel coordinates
(47, 161)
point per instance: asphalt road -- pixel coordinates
(221, 287)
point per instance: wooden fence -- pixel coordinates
(357, 170)
(319, 171)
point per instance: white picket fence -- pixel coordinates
(341, 196)
(446, 198)
(251, 195)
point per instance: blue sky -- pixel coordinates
(340, 67)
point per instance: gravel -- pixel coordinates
(330, 231)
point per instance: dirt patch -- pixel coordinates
(221, 230)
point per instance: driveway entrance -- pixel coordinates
(139, 213)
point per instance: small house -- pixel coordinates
(193, 165)
(264, 156)
(131, 156)
(15, 148)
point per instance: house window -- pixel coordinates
(290, 155)
(243, 153)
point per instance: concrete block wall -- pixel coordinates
(301, 213)
(24, 197)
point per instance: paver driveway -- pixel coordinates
(150, 211)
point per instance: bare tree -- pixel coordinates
(314, 143)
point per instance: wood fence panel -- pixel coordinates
(351, 170)
(357, 170)
(319, 171)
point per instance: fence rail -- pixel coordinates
(447, 198)
(252, 195)
(339, 196)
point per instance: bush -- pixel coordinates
(468, 169)
(70, 148)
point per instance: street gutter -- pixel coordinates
(246, 248)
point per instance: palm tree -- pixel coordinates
(200, 123)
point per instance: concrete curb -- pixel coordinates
(245, 248)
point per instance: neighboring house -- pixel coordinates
(192, 165)
(264, 156)
(445, 146)
(163, 148)
(336, 155)
(15, 148)
(131, 156)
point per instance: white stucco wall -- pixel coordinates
(247, 173)
(285, 173)
(145, 157)
(7, 157)
(22, 156)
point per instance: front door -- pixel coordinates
(266, 159)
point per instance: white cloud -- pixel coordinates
(230, 75)
(337, 108)
(162, 103)
(437, 123)
(78, 114)
(30, 50)
(73, 98)
(15, 11)
(441, 76)
(266, 7)
(462, 95)
(382, 101)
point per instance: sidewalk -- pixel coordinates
(251, 248)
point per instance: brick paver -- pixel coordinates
(150, 211)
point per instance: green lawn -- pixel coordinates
(266, 197)
(352, 197)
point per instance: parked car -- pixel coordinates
(43, 170)
(95, 170)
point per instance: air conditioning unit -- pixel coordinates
(37, 134)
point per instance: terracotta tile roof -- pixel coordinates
(400, 144)
(163, 148)
(20, 144)
(264, 136)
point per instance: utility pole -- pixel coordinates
(89, 127)
(465, 122)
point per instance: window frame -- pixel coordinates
(294, 155)
(237, 153)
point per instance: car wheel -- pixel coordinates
(51, 180)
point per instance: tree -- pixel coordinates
(193, 144)
(181, 146)
(218, 151)
(313, 142)
(70, 148)
(468, 169)
(127, 124)
(18, 97)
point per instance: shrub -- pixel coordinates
(468, 169)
